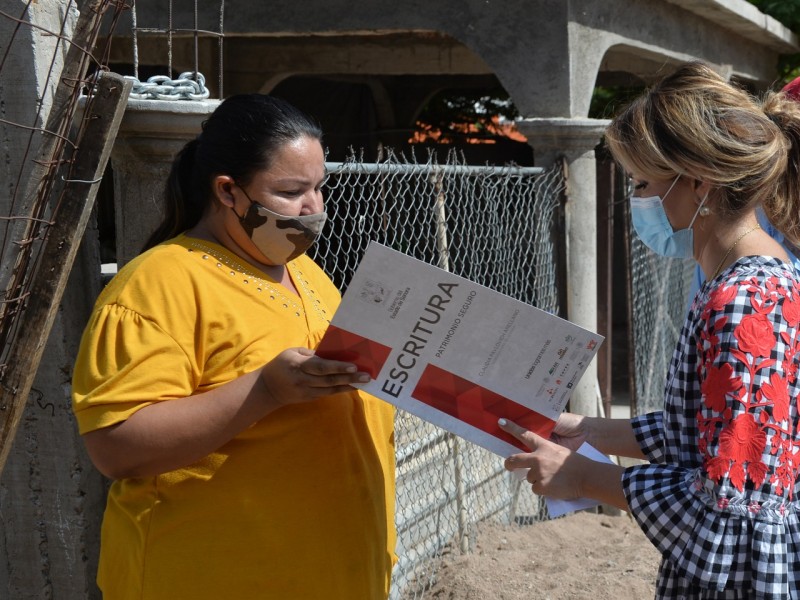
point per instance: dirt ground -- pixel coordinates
(581, 555)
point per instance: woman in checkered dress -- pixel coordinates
(718, 493)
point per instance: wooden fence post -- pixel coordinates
(102, 117)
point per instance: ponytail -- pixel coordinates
(181, 209)
(783, 207)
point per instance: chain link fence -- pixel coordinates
(491, 225)
(659, 301)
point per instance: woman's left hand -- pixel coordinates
(554, 470)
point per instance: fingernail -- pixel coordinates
(364, 378)
(351, 369)
(502, 422)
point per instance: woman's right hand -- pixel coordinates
(571, 431)
(297, 375)
(609, 436)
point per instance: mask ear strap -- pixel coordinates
(246, 195)
(674, 181)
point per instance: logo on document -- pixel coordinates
(374, 291)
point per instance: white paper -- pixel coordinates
(456, 353)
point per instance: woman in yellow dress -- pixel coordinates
(243, 465)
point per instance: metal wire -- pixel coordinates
(190, 85)
(20, 252)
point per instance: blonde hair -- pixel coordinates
(694, 123)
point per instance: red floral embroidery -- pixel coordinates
(790, 365)
(720, 297)
(748, 396)
(717, 467)
(777, 390)
(742, 440)
(791, 311)
(717, 384)
(783, 478)
(737, 475)
(776, 443)
(755, 335)
(757, 471)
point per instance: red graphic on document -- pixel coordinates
(340, 344)
(476, 405)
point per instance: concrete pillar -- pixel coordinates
(575, 140)
(151, 134)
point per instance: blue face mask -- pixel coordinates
(653, 228)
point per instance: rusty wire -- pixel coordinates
(41, 180)
(32, 197)
(170, 30)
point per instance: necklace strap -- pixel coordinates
(728, 253)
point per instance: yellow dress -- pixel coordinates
(298, 506)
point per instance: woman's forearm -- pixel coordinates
(603, 482)
(175, 433)
(613, 436)
(170, 434)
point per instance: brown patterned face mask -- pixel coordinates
(280, 238)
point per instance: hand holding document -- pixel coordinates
(556, 508)
(455, 353)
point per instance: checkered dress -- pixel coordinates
(719, 498)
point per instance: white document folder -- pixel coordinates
(455, 353)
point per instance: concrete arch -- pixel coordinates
(546, 53)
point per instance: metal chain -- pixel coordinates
(188, 86)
